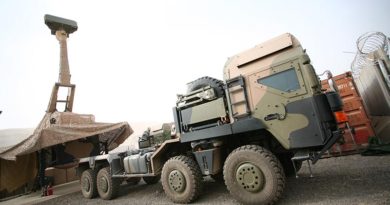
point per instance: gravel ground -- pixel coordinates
(343, 180)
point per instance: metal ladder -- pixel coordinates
(238, 97)
(52, 107)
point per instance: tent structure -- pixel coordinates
(63, 127)
(19, 164)
(9, 169)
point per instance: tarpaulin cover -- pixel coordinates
(15, 174)
(18, 163)
(61, 127)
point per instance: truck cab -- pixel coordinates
(272, 90)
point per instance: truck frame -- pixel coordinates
(251, 130)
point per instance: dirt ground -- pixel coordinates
(343, 180)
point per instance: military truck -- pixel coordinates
(251, 130)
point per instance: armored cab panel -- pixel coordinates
(280, 89)
(262, 55)
(279, 54)
(200, 109)
(204, 112)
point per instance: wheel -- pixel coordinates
(253, 175)
(181, 179)
(107, 186)
(133, 180)
(88, 184)
(217, 85)
(288, 167)
(151, 180)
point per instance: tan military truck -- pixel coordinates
(250, 130)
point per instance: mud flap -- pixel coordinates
(209, 161)
(335, 136)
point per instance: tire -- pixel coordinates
(253, 175)
(133, 180)
(217, 85)
(288, 167)
(88, 184)
(107, 186)
(151, 180)
(181, 179)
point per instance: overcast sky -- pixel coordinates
(129, 59)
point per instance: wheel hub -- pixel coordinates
(85, 184)
(250, 177)
(177, 181)
(103, 184)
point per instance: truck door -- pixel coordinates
(272, 90)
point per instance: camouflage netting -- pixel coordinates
(18, 157)
(62, 127)
(25, 168)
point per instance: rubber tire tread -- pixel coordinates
(195, 177)
(276, 167)
(216, 84)
(113, 184)
(91, 174)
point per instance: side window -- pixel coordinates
(286, 81)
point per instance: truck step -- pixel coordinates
(300, 157)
